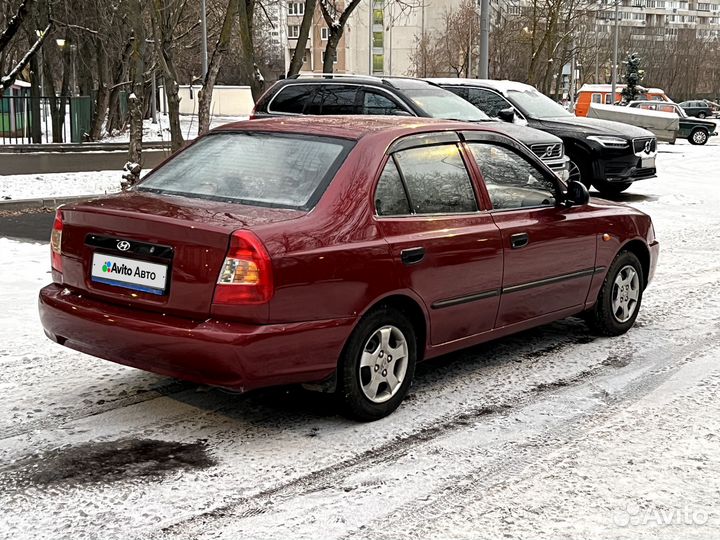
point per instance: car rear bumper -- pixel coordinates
(215, 352)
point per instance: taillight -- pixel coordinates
(246, 275)
(56, 242)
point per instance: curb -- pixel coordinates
(43, 202)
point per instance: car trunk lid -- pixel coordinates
(108, 244)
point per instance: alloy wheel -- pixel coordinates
(625, 294)
(383, 364)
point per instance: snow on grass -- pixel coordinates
(29, 186)
(161, 130)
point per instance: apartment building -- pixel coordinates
(661, 19)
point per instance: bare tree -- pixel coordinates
(296, 62)
(336, 21)
(136, 99)
(221, 48)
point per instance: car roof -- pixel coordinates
(397, 82)
(351, 127)
(501, 86)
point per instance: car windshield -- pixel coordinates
(441, 103)
(261, 169)
(536, 105)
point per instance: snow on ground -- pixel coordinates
(28, 186)
(161, 130)
(552, 433)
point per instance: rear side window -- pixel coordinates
(334, 99)
(437, 180)
(291, 99)
(262, 169)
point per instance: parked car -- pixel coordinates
(320, 250)
(698, 108)
(694, 130)
(602, 94)
(395, 96)
(608, 155)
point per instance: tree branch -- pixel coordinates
(7, 81)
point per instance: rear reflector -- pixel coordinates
(246, 275)
(56, 242)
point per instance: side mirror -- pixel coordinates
(506, 115)
(400, 112)
(577, 194)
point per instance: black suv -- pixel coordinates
(608, 155)
(321, 94)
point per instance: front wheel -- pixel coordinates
(377, 365)
(619, 299)
(578, 172)
(699, 136)
(611, 188)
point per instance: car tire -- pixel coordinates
(578, 171)
(620, 297)
(368, 368)
(701, 115)
(610, 188)
(699, 136)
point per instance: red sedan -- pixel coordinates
(340, 252)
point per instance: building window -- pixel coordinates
(335, 57)
(296, 8)
(378, 39)
(324, 32)
(378, 63)
(377, 16)
(293, 31)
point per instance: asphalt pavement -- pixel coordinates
(31, 225)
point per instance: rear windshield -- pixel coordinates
(262, 169)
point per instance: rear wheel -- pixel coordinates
(698, 136)
(378, 364)
(619, 299)
(611, 188)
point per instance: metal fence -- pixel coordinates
(27, 119)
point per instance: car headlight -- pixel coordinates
(609, 142)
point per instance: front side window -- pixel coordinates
(597, 98)
(377, 103)
(254, 168)
(536, 105)
(511, 180)
(487, 101)
(437, 180)
(390, 198)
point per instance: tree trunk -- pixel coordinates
(331, 48)
(35, 93)
(221, 47)
(296, 62)
(248, 68)
(136, 97)
(102, 100)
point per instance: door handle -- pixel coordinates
(519, 240)
(412, 255)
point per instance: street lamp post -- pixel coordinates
(615, 52)
(484, 55)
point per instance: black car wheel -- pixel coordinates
(578, 172)
(619, 299)
(701, 115)
(698, 136)
(377, 364)
(610, 188)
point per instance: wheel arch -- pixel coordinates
(638, 248)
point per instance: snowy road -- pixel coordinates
(552, 433)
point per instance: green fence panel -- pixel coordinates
(80, 118)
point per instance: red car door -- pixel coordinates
(446, 247)
(549, 249)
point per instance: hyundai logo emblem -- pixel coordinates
(648, 147)
(123, 245)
